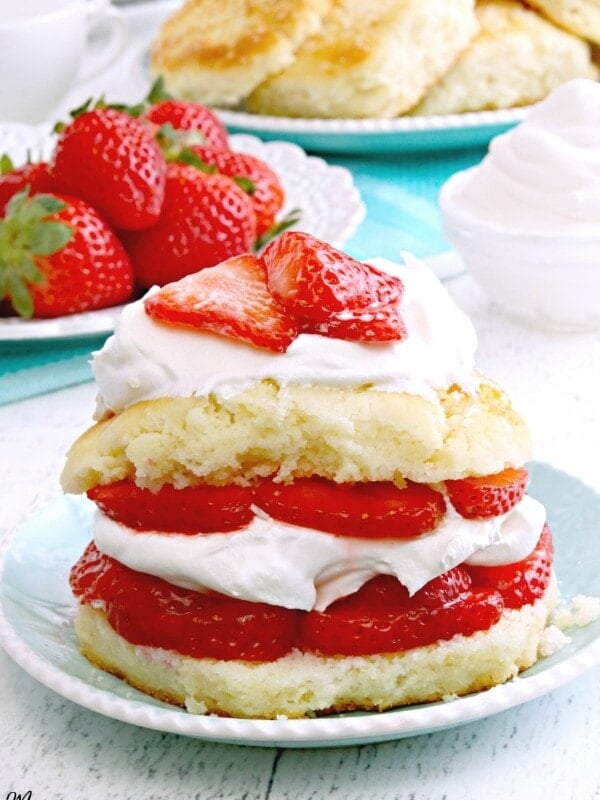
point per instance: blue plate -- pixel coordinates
(378, 136)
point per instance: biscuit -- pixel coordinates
(302, 683)
(340, 434)
(517, 59)
(370, 58)
(581, 17)
(216, 53)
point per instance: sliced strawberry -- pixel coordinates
(382, 618)
(112, 161)
(193, 509)
(384, 324)
(446, 588)
(253, 176)
(488, 496)
(205, 219)
(331, 293)
(149, 611)
(231, 299)
(523, 582)
(185, 116)
(377, 510)
(13, 179)
(317, 281)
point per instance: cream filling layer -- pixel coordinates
(294, 567)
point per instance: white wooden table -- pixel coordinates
(546, 748)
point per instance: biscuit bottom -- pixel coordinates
(302, 684)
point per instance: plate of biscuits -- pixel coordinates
(341, 76)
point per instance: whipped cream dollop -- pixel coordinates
(145, 359)
(295, 567)
(544, 174)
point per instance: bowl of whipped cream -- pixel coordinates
(526, 220)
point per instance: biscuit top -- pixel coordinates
(146, 359)
(226, 34)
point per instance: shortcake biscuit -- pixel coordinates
(517, 59)
(296, 431)
(304, 683)
(581, 17)
(369, 59)
(217, 53)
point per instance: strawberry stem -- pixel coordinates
(291, 218)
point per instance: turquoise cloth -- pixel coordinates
(400, 193)
(34, 368)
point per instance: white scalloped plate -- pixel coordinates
(329, 203)
(36, 612)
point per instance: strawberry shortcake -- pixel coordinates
(308, 497)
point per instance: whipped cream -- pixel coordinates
(145, 359)
(544, 174)
(295, 567)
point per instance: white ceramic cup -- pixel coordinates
(42, 49)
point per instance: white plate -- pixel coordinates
(36, 612)
(329, 203)
(128, 80)
(74, 326)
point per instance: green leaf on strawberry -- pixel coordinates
(291, 218)
(57, 256)
(6, 164)
(25, 232)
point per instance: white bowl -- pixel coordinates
(549, 280)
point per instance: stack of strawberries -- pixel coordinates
(130, 198)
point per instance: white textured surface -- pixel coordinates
(545, 748)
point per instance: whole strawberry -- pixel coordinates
(255, 177)
(57, 257)
(13, 179)
(112, 161)
(205, 219)
(185, 116)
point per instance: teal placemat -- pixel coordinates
(400, 193)
(30, 369)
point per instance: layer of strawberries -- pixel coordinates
(129, 198)
(381, 617)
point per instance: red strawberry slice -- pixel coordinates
(317, 281)
(524, 581)
(112, 161)
(185, 116)
(384, 324)
(377, 510)
(332, 293)
(231, 299)
(382, 618)
(192, 509)
(149, 611)
(488, 496)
